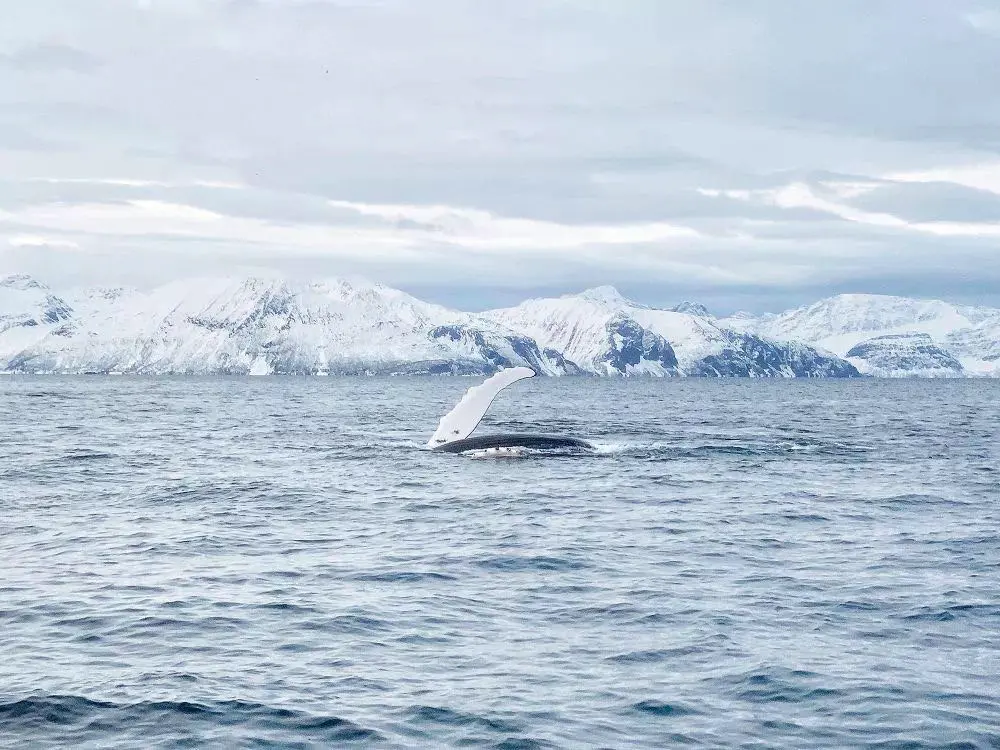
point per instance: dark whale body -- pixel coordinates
(512, 440)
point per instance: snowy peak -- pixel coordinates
(978, 347)
(21, 282)
(606, 296)
(611, 298)
(108, 294)
(28, 310)
(603, 333)
(592, 331)
(269, 324)
(859, 313)
(966, 334)
(693, 308)
(263, 325)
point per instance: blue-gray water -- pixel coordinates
(276, 563)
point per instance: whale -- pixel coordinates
(513, 440)
(454, 432)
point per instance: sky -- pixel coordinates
(746, 154)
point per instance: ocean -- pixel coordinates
(276, 562)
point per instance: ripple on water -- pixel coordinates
(659, 708)
(277, 563)
(529, 563)
(74, 719)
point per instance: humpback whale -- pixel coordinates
(454, 432)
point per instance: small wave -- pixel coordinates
(654, 656)
(684, 449)
(659, 708)
(537, 562)
(447, 717)
(912, 499)
(155, 628)
(404, 576)
(782, 686)
(361, 624)
(619, 612)
(811, 517)
(285, 607)
(438, 715)
(521, 743)
(76, 719)
(610, 448)
(86, 455)
(954, 612)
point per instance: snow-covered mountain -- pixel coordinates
(254, 325)
(897, 355)
(605, 333)
(693, 308)
(272, 325)
(885, 335)
(28, 311)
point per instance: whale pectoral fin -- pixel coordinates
(462, 420)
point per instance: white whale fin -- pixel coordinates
(461, 421)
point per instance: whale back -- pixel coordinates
(461, 421)
(514, 441)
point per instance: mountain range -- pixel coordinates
(891, 336)
(265, 325)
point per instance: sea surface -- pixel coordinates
(276, 562)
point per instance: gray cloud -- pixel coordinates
(13, 137)
(932, 201)
(560, 112)
(47, 58)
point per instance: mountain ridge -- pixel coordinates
(271, 325)
(604, 331)
(846, 322)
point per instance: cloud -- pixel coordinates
(986, 21)
(30, 240)
(385, 232)
(837, 201)
(757, 146)
(481, 230)
(921, 202)
(978, 176)
(48, 58)
(442, 245)
(13, 137)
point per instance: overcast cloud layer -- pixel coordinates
(745, 153)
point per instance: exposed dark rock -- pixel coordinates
(631, 344)
(906, 353)
(750, 356)
(496, 348)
